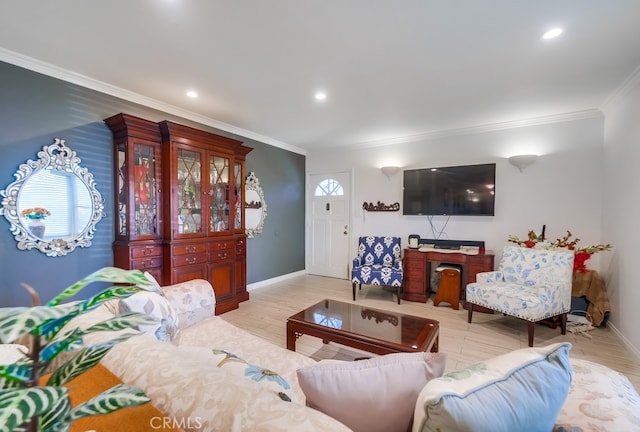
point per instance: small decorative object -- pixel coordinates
(380, 206)
(29, 405)
(36, 216)
(582, 254)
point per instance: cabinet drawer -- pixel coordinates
(222, 255)
(241, 247)
(182, 260)
(146, 251)
(222, 245)
(185, 249)
(142, 264)
(418, 265)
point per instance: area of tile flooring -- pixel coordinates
(266, 313)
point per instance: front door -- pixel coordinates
(328, 228)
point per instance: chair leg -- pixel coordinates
(398, 293)
(532, 326)
(470, 314)
(563, 323)
(353, 284)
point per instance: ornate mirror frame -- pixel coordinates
(255, 207)
(55, 159)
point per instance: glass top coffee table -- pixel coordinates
(364, 328)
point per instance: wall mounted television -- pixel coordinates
(458, 190)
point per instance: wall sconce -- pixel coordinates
(389, 171)
(522, 161)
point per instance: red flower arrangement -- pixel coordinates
(582, 254)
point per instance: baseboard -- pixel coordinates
(266, 282)
(624, 340)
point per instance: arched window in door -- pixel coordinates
(329, 187)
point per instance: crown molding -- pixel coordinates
(623, 89)
(93, 84)
(489, 127)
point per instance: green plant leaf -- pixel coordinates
(70, 341)
(51, 328)
(15, 322)
(74, 339)
(17, 406)
(120, 396)
(58, 418)
(122, 322)
(106, 274)
(86, 358)
(15, 375)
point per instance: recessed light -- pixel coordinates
(555, 32)
(320, 96)
(192, 94)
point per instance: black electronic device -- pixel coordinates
(459, 190)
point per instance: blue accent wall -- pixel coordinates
(35, 109)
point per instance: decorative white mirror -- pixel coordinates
(53, 205)
(255, 207)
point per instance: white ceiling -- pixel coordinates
(391, 69)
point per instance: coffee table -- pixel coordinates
(364, 328)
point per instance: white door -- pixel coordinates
(328, 228)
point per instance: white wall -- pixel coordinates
(621, 210)
(562, 189)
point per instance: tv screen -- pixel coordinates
(458, 190)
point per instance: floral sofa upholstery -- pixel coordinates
(214, 376)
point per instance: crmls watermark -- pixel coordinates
(161, 423)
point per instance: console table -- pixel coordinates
(417, 270)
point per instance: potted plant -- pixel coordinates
(26, 404)
(582, 253)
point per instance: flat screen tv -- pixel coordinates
(458, 190)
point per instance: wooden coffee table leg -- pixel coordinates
(291, 338)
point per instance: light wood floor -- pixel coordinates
(266, 312)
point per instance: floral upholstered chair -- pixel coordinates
(378, 263)
(530, 284)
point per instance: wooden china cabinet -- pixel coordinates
(201, 208)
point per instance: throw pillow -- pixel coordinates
(521, 390)
(371, 395)
(158, 307)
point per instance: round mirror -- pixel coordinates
(53, 205)
(255, 207)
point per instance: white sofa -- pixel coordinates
(185, 382)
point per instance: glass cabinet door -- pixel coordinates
(219, 176)
(238, 197)
(189, 191)
(138, 198)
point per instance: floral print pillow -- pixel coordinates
(155, 306)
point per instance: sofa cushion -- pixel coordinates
(600, 399)
(158, 307)
(200, 393)
(371, 395)
(521, 390)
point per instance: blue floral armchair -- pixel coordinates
(530, 284)
(378, 263)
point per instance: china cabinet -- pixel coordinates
(198, 207)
